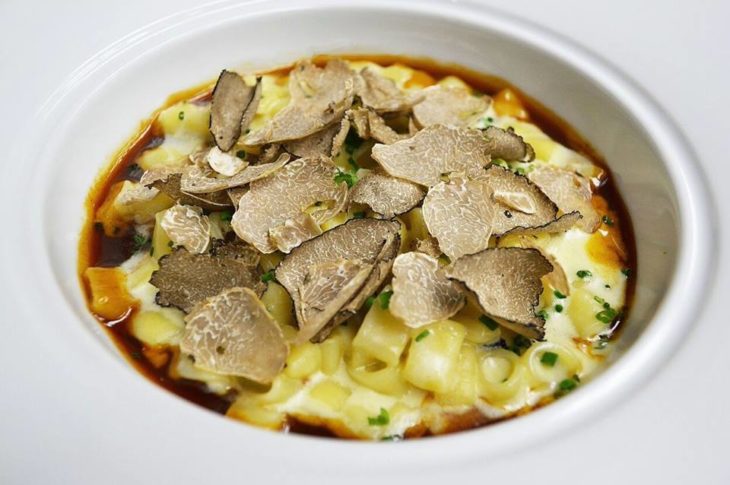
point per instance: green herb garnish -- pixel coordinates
(384, 299)
(584, 273)
(607, 220)
(139, 241)
(607, 315)
(226, 216)
(181, 115)
(381, 419)
(542, 314)
(491, 324)
(559, 295)
(549, 359)
(559, 308)
(347, 177)
(626, 272)
(351, 161)
(369, 302)
(359, 215)
(268, 276)
(422, 335)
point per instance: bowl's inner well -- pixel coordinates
(107, 114)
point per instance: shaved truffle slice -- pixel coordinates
(561, 224)
(326, 288)
(506, 284)
(232, 333)
(570, 191)
(428, 246)
(326, 142)
(236, 249)
(287, 193)
(386, 195)
(421, 293)
(450, 106)
(319, 97)
(369, 125)
(556, 278)
(459, 215)
(224, 163)
(294, 231)
(168, 181)
(188, 227)
(184, 279)
(433, 152)
(369, 243)
(508, 145)
(517, 202)
(231, 97)
(197, 179)
(381, 94)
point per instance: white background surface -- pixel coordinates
(674, 431)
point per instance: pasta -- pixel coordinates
(365, 373)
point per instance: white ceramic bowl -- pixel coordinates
(101, 103)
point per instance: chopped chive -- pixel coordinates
(567, 385)
(599, 300)
(549, 359)
(392, 437)
(381, 419)
(359, 215)
(584, 273)
(422, 335)
(139, 241)
(369, 302)
(226, 216)
(559, 295)
(241, 154)
(607, 316)
(607, 220)
(353, 163)
(384, 299)
(268, 276)
(491, 324)
(170, 244)
(181, 115)
(626, 272)
(542, 314)
(559, 308)
(346, 177)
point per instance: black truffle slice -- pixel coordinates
(506, 284)
(184, 279)
(369, 247)
(231, 97)
(232, 333)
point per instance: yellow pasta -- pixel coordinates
(502, 375)
(376, 375)
(162, 327)
(381, 336)
(279, 304)
(333, 349)
(304, 360)
(433, 356)
(330, 393)
(466, 388)
(161, 243)
(542, 372)
(186, 119)
(582, 310)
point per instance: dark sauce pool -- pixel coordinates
(98, 249)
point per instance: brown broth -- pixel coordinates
(97, 249)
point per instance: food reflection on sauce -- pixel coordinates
(108, 243)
